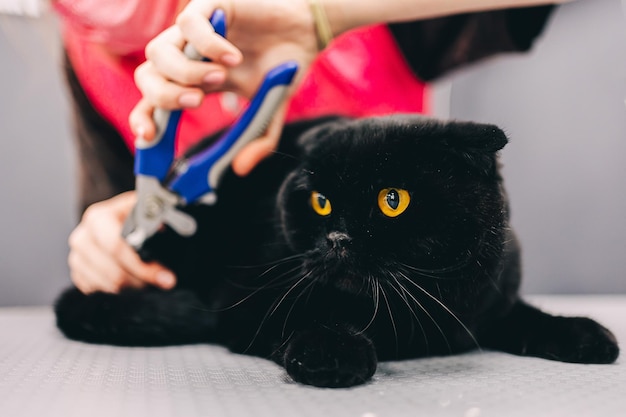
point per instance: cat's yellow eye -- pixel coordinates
(393, 201)
(321, 205)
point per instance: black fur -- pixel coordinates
(328, 296)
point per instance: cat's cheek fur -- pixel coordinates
(290, 207)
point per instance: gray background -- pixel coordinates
(44, 374)
(562, 106)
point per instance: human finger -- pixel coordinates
(163, 93)
(166, 54)
(140, 120)
(107, 228)
(262, 147)
(82, 277)
(196, 29)
(80, 274)
(91, 270)
(102, 223)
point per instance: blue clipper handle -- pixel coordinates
(202, 171)
(155, 158)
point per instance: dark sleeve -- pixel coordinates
(105, 165)
(435, 46)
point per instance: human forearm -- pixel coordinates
(344, 15)
(263, 34)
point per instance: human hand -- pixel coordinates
(101, 260)
(266, 33)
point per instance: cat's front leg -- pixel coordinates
(330, 356)
(528, 331)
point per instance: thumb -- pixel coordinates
(262, 147)
(140, 120)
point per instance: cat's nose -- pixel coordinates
(338, 240)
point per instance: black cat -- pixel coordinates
(359, 241)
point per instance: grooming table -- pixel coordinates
(44, 375)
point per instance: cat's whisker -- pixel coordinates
(400, 292)
(494, 281)
(273, 283)
(419, 287)
(272, 264)
(281, 275)
(309, 287)
(439, 291)
(308, 274)
(275, 152)
(376, 299)
(365, 286)
(275, 264)
(427, 272)
(393, 322)
(272, 309)
(425, 310)
(422, 274)
(279, 347)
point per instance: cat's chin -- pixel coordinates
(340, 272)
(350, 284)
(349, 281)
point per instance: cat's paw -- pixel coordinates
(528, 331)
(576, 340)
(326, 357)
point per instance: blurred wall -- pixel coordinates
(562, 106)
(565, 166)
(36, 163)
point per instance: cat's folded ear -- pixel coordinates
(318, 129)
(475, 137)
(478, 136)
(475, 143)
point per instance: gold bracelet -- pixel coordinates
(322, 26)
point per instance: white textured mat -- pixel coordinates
(44, 375)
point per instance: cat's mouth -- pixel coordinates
(338, 268)
(351, 284)
(339, 256)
